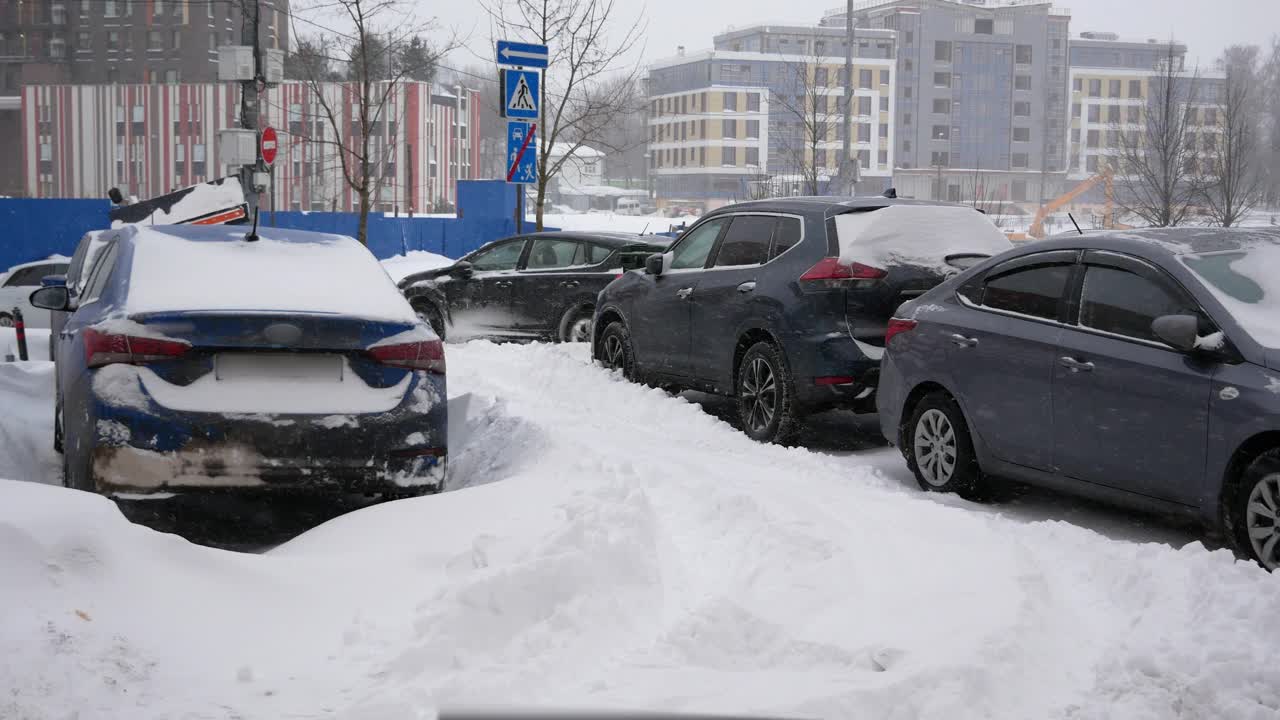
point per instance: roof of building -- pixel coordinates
(582, 151)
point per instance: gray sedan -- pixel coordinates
(1140, 368)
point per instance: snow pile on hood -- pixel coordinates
(923, 235)
(415, 261)
(26, 426)
(619, 564)
(178, 268)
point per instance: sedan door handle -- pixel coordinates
(1075, 365)
(747, 287)
(684, 293)
(502, 284)
(963, 341)
(569, 283)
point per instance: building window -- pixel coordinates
(154, 41)
(84, 41)
(729, 156)
(180, 159)
(702, 156)
(883, 158)
(1135, 88)
(1095, 88)
(171, 77)
(729, 128)
(820, 158)
(1022, 54)
(1113, 89)
(940, 159)
(209, 6)
(984, 26)
(753, 156)
(1095, 113)
(113, 40)
(820, 77)
(820, 104)
(1077, 84)
(906, 146)
(907, 65)
(1019, 160)
(1075, 110)
(908, 38)
(942, 79)
(1092, 138)
(111, 8)
(1019, 189)
(213, 41)
(884, 130)
(177, 39)
(1022, 134)
(1022, 82)
(157, 8)
(1091, 163)
(864, 159)
(1022, 108)
(865, 78)
(940, 132)
(884, 77)
(942, 50)
(1210, 116)
(942, 106)
(753, 102)
(884, 103)
(753, 128)
(731, 101)
(197, 161)
(864, 132)
(1113, 113)
(906, 92)
(1134, 114)
(906, 119)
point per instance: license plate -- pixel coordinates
(230, 367)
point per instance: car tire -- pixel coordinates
(430, 315)
(6, 320)
(939, 448)
(766, 395)
(1252, 511)
(575, 324)
(616, 351)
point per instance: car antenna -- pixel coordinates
(253, 234)
(646, 228)
(1073, 222)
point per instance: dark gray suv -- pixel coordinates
(1140, 368)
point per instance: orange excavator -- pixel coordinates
(1105, 178)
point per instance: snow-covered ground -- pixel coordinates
(614, 546)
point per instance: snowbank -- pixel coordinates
(401, 266)
(636, 552)
(26, 425)
(37, 343)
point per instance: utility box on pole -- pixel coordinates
(273, 66)
(237, 147)
(235, 63)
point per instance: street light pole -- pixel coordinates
(847, 123)
(249, 101)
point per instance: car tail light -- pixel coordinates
(830, 268)
(896, 327)
(426, 355)
(102, 348)
(834, 380)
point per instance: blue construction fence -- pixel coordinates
(37, 228)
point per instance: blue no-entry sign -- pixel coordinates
(522, 54)
(522, 152)
(520, 94)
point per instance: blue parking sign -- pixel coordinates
(522, 152)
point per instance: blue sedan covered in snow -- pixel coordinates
(212, 358)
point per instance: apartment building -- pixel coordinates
(981, 95)
(151, 139)
(764, 106)
(1111, 84)
(57, 42)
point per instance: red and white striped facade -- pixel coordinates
(81, 140)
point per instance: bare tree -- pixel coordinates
(1269, 92)
(813, 117)
(588, 82)
(1233, 185)
(1156, 165)
(362, 115)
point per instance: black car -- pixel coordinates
(784, 303)
(535, 286)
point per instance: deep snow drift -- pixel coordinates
(618, 547)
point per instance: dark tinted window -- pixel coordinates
(31, 275)
(1033, 290)
(502, 257)
(1121, 302)
(696, 245)
(548, 253)
(747, 242)
(786, 235)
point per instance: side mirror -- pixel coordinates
(653, 265)
(53, 281)
(1178, 331)
(462, 268)
(51, 298)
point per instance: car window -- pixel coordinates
(17, 278)
(695, 246)
(747, 242)
(1033, 290)
(501, 257)
(74, 270)
(1124, 303)
(786, 235)
(592, 254)
(548, 253)
(99, 274)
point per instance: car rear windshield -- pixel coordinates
(942, 237)
(1247, 283)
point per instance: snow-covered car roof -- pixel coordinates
(184, 268)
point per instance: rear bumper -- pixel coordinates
(821, 363)
(141, 448)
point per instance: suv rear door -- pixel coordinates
(558, 274)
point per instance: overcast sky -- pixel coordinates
(1207, 26)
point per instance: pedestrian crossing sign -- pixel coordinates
(520, 94)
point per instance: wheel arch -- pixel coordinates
(747, 338)
(1233, 473)
(918, 393)
(608, 314)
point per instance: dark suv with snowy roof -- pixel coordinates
(783, 303)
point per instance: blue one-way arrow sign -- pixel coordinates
(523, 54)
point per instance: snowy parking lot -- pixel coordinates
(608, 545)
